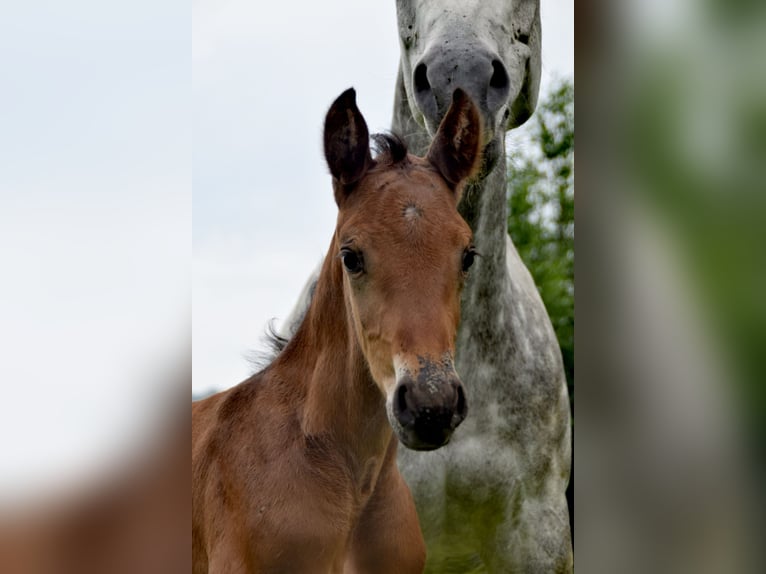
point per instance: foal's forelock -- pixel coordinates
(390, 149)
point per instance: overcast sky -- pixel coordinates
(263, 211)
(95, 220)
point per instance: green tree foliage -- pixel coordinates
(541, 219)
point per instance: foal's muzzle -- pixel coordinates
(427, 408)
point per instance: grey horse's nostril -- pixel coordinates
(499, 79)
(421, 78)
(499, 86)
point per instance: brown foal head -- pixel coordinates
(405, 252)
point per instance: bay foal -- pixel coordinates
(294, 470)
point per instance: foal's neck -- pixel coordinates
(340, 401)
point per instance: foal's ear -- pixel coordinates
(346, 144)
(456, 149)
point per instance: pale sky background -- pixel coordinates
(95, 226)
(263, 211)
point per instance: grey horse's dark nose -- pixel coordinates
(479, 72)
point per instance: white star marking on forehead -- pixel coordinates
(412, 212)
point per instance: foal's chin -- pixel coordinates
(420, 438)
(414, 442)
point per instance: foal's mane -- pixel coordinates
(271, 344)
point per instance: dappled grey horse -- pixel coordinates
(494, 499)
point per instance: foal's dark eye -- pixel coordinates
(352, 260)
(468, 257)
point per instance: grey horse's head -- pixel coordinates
(489, 48)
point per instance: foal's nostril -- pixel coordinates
(421, 78)
(461, 408)
(401, 400)
(403, 412)
(499, 79)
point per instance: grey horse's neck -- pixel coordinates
(484, 207)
